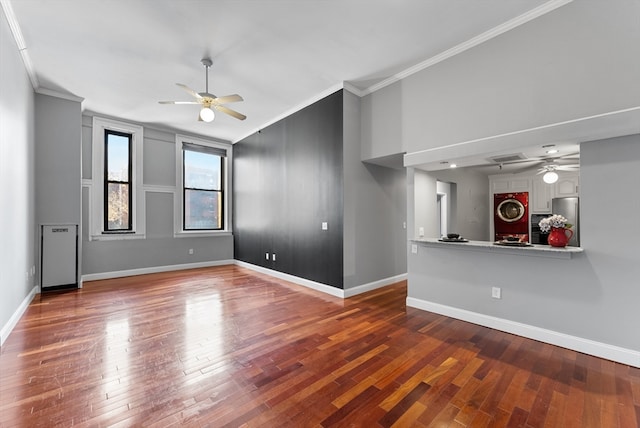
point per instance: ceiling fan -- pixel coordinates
(553, 166)
(550, 167)
(567, 162)
(209, 102)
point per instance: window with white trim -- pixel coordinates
(117, 182)
(117, 208)
(202, 183)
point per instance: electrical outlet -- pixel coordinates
(421, 231)
(496, 292)
(190, 250)
(325, 225)
(404, 224)
(414, 248)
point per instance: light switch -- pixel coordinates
(273, 257)
(421, 231)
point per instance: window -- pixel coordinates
(202, 176)
(117, 181)
(117, 207)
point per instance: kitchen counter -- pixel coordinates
(485, 246)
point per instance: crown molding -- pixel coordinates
(475, 41)
(52, 93)
(353, 89)
(19, 38)
(292, 110)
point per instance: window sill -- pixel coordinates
(202, 234)
(117, 236)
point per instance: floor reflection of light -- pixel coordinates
(204, 343)
(117, 359)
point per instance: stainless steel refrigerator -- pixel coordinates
(569, 208)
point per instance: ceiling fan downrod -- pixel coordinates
(207, 63)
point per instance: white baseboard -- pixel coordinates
(318, 286)
(586, 346)
(337, 292)
(155, 269)
(8, 327)
(374, 285)
(324, 288)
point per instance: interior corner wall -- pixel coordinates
(17, 173)
(288, 180)
(374, 210)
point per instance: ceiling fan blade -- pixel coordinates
(178, 102)
(228, 99)
(567, 167)
(189, 91)
(230, 112)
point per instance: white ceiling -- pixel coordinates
(123, 56)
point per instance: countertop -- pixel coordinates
(533, 250)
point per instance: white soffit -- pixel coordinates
(606, 125)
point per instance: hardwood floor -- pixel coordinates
(225, 346)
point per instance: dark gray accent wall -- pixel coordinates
(288, 180)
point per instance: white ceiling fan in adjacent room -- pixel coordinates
(550, 167)
(548, 164)
(209, 102)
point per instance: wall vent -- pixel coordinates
(508, 158)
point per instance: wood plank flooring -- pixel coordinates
(227, 347)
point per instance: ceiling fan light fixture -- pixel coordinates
(550, 177)
(207, 115)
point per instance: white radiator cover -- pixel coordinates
(59, 255)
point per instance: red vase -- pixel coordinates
(558, 237)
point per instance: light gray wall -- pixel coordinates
(160, 247)
(471, 203)
(381, 121)
(17, 193)
(58, 165)
(58, 160)
(593, 296)
(374, 210)
(425, 203)
(579, 60)
(609, 215)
